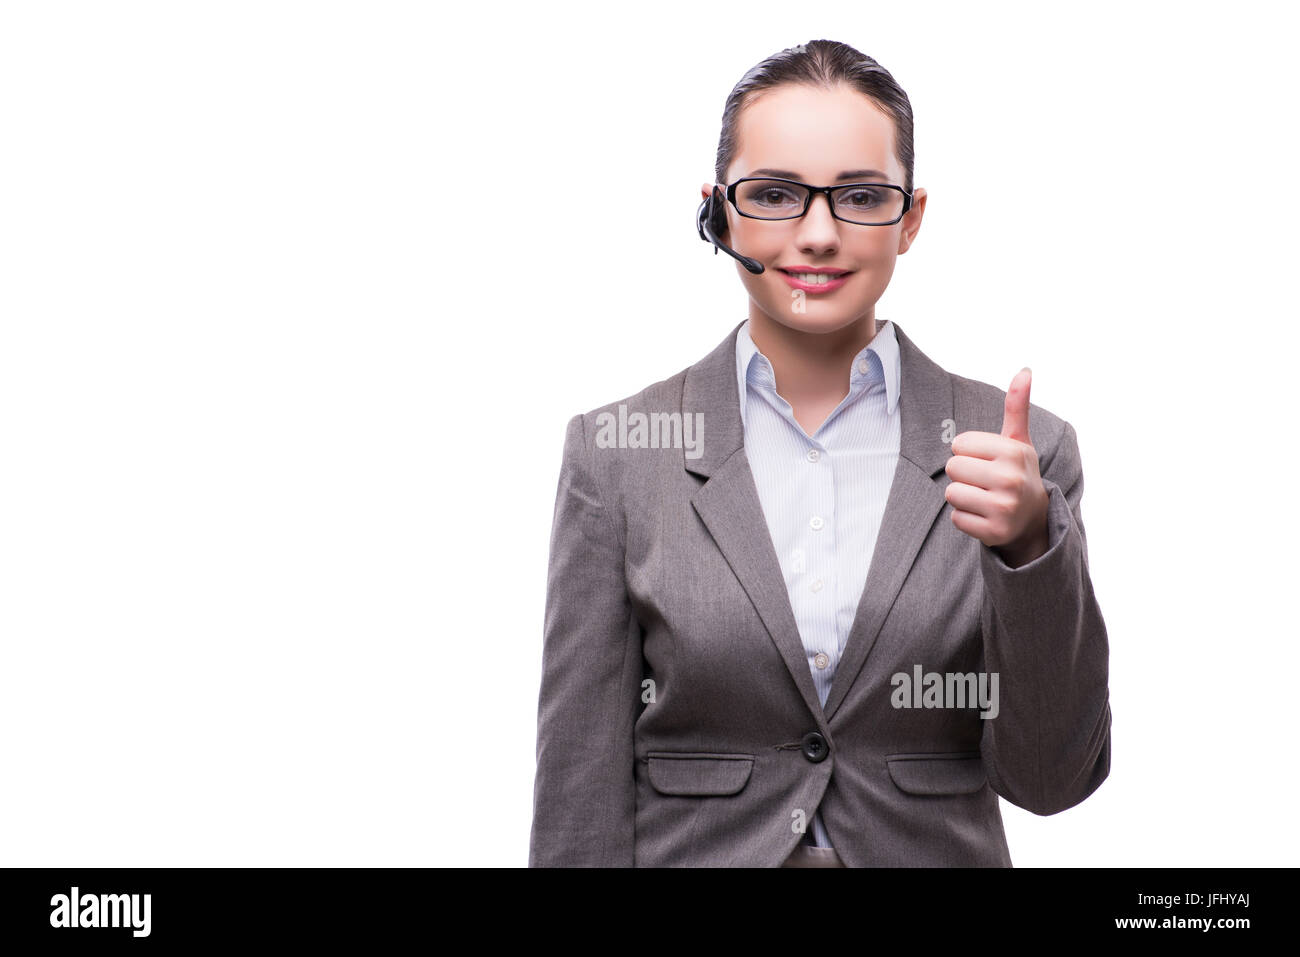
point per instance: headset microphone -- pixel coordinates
(712, 220)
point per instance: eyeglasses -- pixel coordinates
(866, 204)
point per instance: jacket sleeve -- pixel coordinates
(1048, 747)
(584, 793)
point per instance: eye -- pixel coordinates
(773, 196)
(861, 198)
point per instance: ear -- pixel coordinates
(912, 221)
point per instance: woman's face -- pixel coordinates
(813, 136)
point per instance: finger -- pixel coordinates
(984, 445)
(1015, 414)
(981, 473)
(976, 502)
(972, 525)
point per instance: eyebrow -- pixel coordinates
(848, 174)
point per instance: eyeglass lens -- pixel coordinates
(857, 203)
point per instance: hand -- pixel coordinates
(997, 494)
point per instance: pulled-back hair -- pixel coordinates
(825, 64)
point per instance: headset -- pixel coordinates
(711, 221)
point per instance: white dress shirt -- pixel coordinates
(823, 496)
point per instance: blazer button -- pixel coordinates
(815, 748)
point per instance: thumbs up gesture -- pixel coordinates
(997, 494)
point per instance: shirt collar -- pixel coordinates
(752, 367)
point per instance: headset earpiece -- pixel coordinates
(712, 218)
(712, 213)
(718, 213)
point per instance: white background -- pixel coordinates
(297, 298)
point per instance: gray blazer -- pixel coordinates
(678, 723)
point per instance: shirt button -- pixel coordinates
(817, 585)
(813, 455)
(816, 523)
(822, 659)
(864, 366)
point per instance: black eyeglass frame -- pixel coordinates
(813, 191)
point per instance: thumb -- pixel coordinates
(1015, 416)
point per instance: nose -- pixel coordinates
(818, 229)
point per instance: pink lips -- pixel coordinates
(828, 286)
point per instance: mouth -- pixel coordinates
(815, 280)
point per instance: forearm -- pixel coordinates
(1048, 748)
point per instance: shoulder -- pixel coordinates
(656, 407)
(613, 453)
(664, 396)
(981, 407)
(632, 444)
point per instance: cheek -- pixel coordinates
(874, 247)
(751, 238)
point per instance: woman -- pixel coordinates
(815, 601)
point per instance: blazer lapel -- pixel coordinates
(729, 506)
(915, 498)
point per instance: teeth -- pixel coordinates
(820, 278)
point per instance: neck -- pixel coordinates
(811, 365)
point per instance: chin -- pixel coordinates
(816, 321)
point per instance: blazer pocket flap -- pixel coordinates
(956, 773)
(698, 773)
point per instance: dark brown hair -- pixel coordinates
(821, 63)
